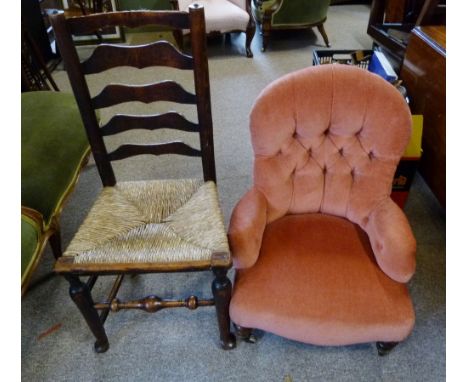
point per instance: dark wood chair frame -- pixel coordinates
(266, 26)
(249, 32)
(160, 53)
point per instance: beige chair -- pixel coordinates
(225, 16)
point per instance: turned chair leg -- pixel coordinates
(266, 31)
(245, 334)
(221, 288)
(81, 296)
(321, 29)
(249, 35)
(385, 347)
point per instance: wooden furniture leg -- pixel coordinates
(321, 29)
(221, 288)
(81, 296)
(385, 347)
(245, 334)
(249, 35)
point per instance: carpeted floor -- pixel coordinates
(180, 345)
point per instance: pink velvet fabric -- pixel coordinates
(321, 251)
(327, 139)
(317, 281)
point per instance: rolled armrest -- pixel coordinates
(392, 241)
(246, 228)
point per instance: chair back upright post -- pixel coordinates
(202, 88)
(160, 53)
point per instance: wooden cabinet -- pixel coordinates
(423, 74)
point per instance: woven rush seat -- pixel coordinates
(158, 221)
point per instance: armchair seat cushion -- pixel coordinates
(160, 221)
(221, 15)
(53, 148)
(316, 281)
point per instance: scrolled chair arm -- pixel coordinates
(248, 221)
(392, 241)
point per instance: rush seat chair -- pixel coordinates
(153, 226)
(322, 254)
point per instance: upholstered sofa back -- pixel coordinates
(327, 139)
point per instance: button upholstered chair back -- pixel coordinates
(327, 139)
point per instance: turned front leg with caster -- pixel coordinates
(245, 334)
(81, 296)
(221, 288)
(385, 347)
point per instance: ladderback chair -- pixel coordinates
(225, 16)
(145, 226)
(290, 14)
(321, 252)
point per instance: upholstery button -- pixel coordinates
(371, 155)
(324, 169)
(341, 151)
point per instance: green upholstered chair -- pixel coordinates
(290, 14)
(54, 148)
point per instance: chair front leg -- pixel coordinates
(249, 35)
(321, 29)
(222, 288)
(383, 348)
(81, 296)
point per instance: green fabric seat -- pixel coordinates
(53, 148)
(294, 12)
(30, 245)
(290, 14)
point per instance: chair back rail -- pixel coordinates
(115, 94)
(178, 147)
(108, 56)
(160, 53)
(173, 120)
(132, 19)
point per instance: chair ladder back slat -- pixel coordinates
(172, 120)
(170, 91)
(160, 53)
(202, 88)
(83, 97)
(89, 24)
(177, 147)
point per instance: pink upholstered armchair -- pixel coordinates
(225, 16)
(321, 252)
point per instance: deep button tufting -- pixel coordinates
(326, 132)
(341, 151)
(310, 151)
(371, 155)
(324, 169)
(295, 135)
(352, 173)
